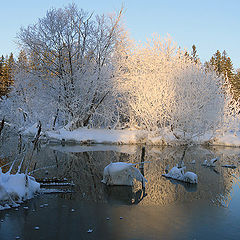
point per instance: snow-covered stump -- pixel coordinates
(178, 174)
(121, 173)
(16, 188)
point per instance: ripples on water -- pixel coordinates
(165, 209)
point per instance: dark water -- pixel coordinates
(163, 210)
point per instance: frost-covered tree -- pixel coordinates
(69, 52)
(159, 87)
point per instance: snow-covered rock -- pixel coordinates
(16, 187)
(178, 174)
(121, 173)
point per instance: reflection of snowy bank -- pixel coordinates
(15, 188)
(73, 148)
(130, 136)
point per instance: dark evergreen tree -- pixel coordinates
(194, 55)
(22, 62)
(223, 66)
(6, 76)
(1, 65)
(216, 62)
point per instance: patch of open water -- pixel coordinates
(165, 209)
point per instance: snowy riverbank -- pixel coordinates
(128, 136)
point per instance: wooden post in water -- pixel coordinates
(141, 166)
(181, 163)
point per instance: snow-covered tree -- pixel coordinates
(159, 87)
(70, 54)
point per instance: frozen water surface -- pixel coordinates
(164, 209)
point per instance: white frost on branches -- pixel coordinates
(68, 73)
(160, 87)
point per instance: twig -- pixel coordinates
(2, 125)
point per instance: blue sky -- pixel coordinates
(209, 24)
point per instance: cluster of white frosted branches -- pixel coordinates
(160, 87)
(68, 70)
(231, 115)
(29, 101)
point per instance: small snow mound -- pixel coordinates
(121, 173)
(190, 177)
(16, 187)
(178, 174)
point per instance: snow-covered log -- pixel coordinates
(211, 162)
(178, 174)
(121, 173)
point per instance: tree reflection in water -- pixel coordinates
(85, 169)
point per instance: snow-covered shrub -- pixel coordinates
(160, 87)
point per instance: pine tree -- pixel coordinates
(194, 55)
(10, 70)
(223, 66)
(236, 84)
(1, 65)
(22, 61)
(216, 62)
(6, 76)
(2, 79)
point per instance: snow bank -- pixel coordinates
(121, 173)
(228, 139)
(178, 174)
(134, 136)
(124, 136)
(16, 188)
(98, 135)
